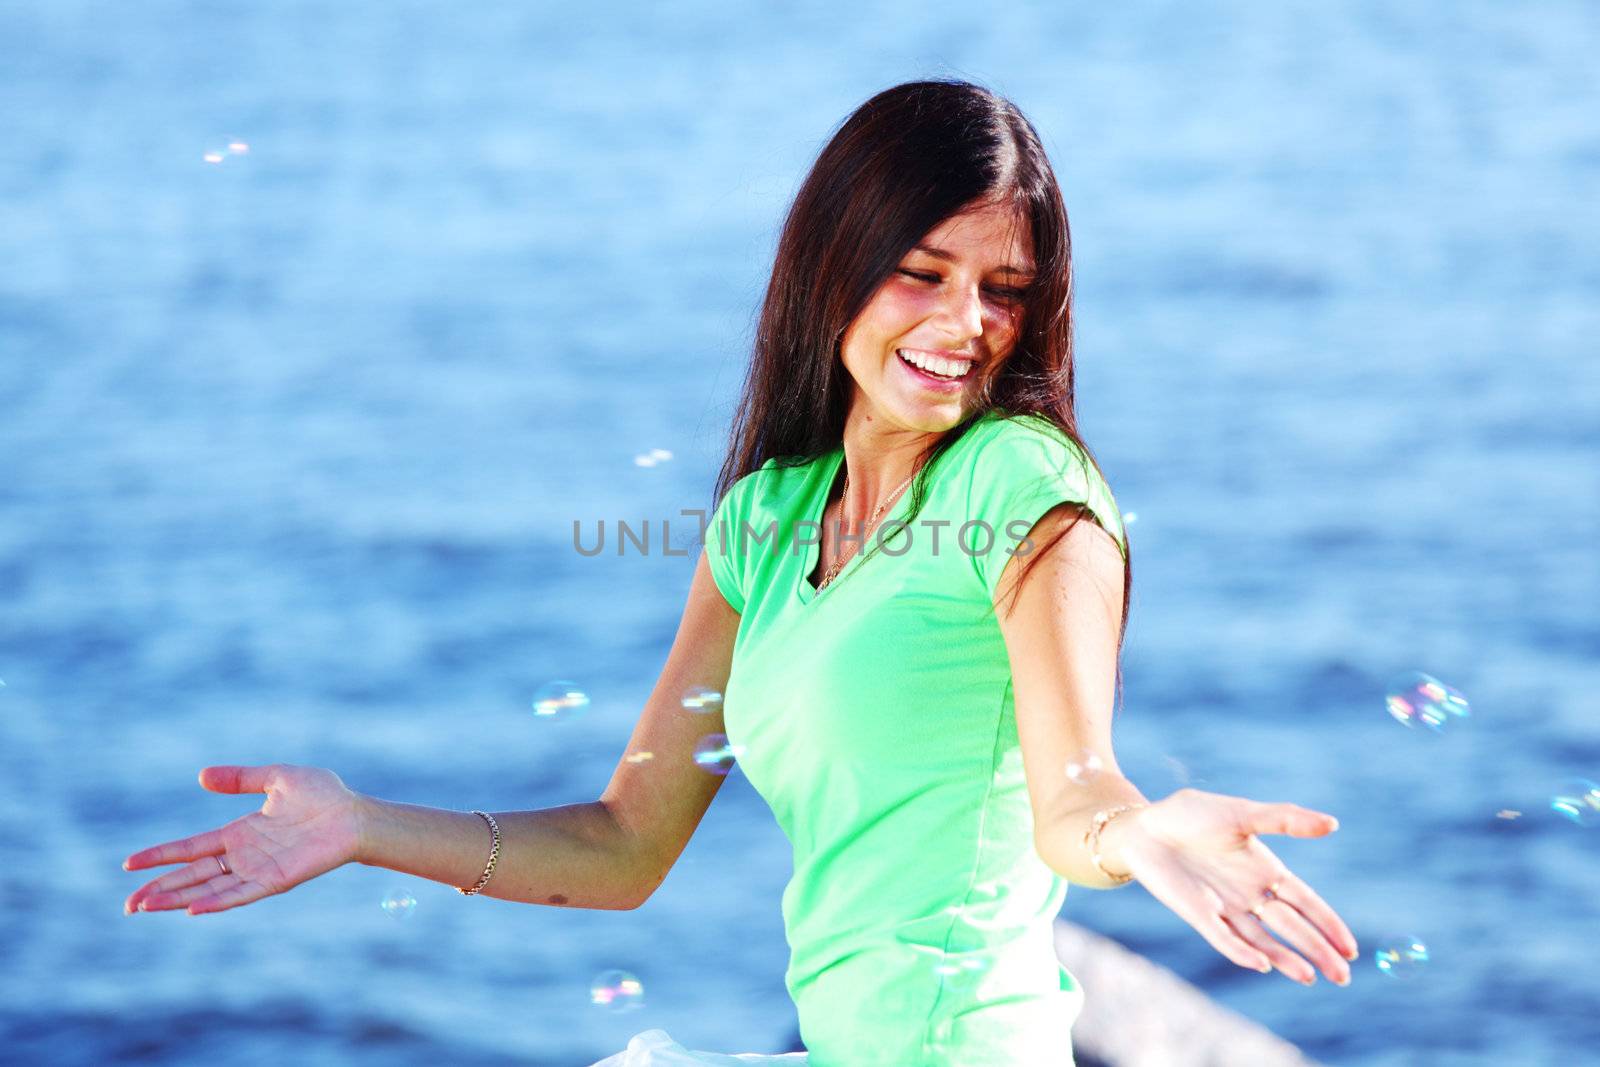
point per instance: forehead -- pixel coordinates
(988, 237)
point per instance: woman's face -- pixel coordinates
(956, 295)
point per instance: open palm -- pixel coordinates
(1198, 853)
(309, 825)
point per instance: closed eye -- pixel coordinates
(1009, 292)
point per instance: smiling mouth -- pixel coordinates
(936, 368)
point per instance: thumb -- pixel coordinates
(1290, 819)
(231, 778)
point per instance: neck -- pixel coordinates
(878, 460)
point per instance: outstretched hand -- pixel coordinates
(1198, 854)
(309, 825)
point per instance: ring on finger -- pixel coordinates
(1267, 897)
(223, 864)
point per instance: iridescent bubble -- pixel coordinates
(1401, 957)
(1578, 799)
(1415, 697)
(399, 904)
(2, 683)
(715, 753)
(238, 148)
(1129, 518)
(957, 968)
(616, 990)
(639, 757)
(1083, 768)
(1507, 813)
(701, 700)
(1180, 773)
(560, 700)
(950, 949)
(213, 157)
(652, 457)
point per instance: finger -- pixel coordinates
(199, 872)
(1247, 929)
(1264, 818)
(182, 897)
(1223, 937)
(1286, 921)
(1203, 909)
(1329, 927)
(179, 851)
(241, 892)
(1208, 919)
(231, 778)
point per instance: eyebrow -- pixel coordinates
(939, 253)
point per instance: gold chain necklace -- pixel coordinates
(838, 564)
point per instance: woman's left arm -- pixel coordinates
(1196, 852)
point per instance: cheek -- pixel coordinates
(1008, 319)
(892, 314)
(1006, 329)
(900, 306)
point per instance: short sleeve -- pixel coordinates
(722, 539)
(1025, 467)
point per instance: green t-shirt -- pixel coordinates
(876, 719)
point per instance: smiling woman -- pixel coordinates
(913, 376)
(909, 399)
(910, 394)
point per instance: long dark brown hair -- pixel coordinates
(905, 161)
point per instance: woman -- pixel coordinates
(905, 461)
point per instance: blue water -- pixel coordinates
(291, 446)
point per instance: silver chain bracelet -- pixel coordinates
(494, 854)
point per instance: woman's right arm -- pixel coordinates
(609, 854)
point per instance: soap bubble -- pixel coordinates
(1180, 771)
(959, 968)
(1416, 697)
(701, 700)
(617, 991)
(1084, 767)
(1578, 799)
(399, 904)
(952, 951)
(1401, 957)
(715, 753)
(560, 700)
(639, 757)
(652, 457)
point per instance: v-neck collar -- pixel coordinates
(815, 511)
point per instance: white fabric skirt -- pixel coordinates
(656, 1048)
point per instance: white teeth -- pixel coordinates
(950, 368)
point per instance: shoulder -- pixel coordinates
(1003, 431)
(1023, 463)
(1007, 450)
(768, 487)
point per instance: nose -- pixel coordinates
(964, 311)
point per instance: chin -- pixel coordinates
(934, 418)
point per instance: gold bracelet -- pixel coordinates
(1091, 839)
(494, 854)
